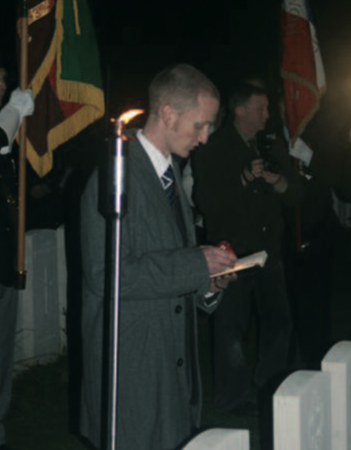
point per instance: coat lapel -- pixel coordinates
(150, 180)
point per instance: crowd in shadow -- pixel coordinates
(308, 241)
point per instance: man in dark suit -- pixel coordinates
(240, 189)
(322, 155)
(164, 276)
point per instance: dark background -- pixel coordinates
(226, 40)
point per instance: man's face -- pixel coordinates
(189, 128)
(254, 114)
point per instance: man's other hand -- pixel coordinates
(271, 178)
(220, 283)
(218, 259)
(254, 170)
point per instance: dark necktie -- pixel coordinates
(169, 184)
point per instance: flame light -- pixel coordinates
(129, 115)
(126, 118)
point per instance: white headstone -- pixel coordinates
(40, 333)
(220, 439)
(337, 363)
(302, 412)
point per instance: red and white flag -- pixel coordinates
(301, 66)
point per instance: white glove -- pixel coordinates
(21, 104)
(301, 151)
(23, 101)
(5, 150)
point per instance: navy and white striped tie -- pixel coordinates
(169, 184)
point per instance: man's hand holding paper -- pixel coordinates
(218, 259)
(220, 256)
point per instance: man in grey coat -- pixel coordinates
(164, 276)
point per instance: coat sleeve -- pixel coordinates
(209, 304)
(3, 139)
(161, 273)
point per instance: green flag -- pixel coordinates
(64, 74)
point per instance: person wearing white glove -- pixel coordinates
(21, 104)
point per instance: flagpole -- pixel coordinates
(298, 239)
(21, 272)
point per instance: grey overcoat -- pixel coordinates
(159, 397)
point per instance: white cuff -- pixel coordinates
(5, 150)
(301, 151)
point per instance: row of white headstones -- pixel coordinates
(311, 409)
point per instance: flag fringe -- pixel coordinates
(41, 164)
(71, 91)
(43, 70)
(66, 130)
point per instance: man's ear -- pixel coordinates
(167, 115)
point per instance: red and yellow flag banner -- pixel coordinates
(64, 75)
(301, 66)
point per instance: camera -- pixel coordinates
(264, 144)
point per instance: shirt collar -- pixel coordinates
(243, 136)
(158, 159)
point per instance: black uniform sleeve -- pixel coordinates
(3, 138)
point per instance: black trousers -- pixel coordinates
(232, 377)
(8, 319)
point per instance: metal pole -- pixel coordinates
(21, 271)
(118, 161)
(117, 210)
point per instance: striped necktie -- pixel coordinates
(169, 184)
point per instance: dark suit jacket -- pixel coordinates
(250, 217)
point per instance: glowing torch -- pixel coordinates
(117, 207)
(118, 193)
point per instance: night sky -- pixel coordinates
(227, 40)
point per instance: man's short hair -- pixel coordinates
(242, 94)
(180, 87)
